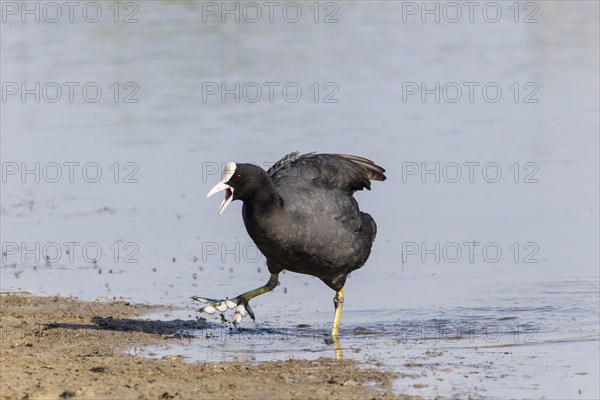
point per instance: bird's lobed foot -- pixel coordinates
(240, 304)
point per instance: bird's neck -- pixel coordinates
(266, 198)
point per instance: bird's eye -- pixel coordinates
(237, 178)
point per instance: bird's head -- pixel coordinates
(240, 182)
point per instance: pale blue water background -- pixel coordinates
(544, 314)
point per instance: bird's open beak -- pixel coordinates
(228, 195)
(227, 174)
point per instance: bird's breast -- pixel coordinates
(300, 239)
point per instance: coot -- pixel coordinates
(303, 217)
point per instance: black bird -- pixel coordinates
(303, 217)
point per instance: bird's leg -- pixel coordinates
(240, 303)
(338, 302)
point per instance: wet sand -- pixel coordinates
(58, 348)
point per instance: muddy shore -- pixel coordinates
(58, 348)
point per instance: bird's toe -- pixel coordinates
(242, 308)
(215, 305)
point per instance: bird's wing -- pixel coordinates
(331, 171)
(285, 161)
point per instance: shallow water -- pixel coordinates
(523, 324)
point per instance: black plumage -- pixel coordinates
(302, 215)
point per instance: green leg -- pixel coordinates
(270, 285)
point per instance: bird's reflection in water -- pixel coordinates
(335, 341)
